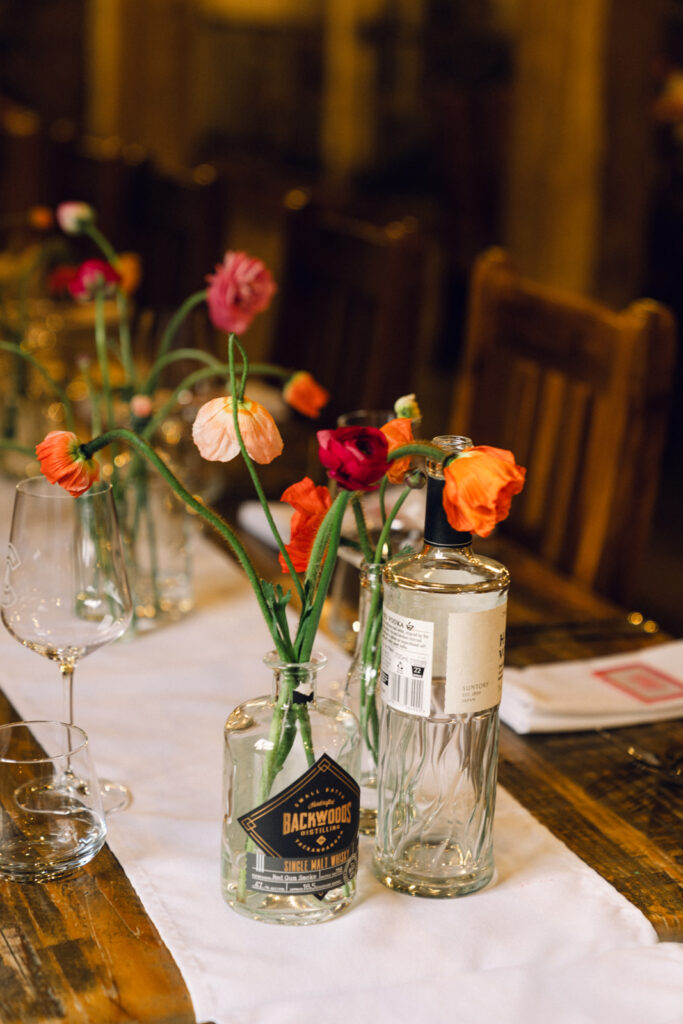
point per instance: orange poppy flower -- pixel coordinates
(304, 394)
(479, 487)
(310, 504)
(129, 267)
(62, 462)
(398, 432)
(214, 434)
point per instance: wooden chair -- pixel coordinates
(580, 394)
(349, 304)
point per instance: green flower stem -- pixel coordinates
(361, 526)
(124, 338)
(95, 414)
(103, 243)
(309, 625)
(207, 514)
(101, 349)
(386, 529)
(11, 346)
(170, 331)
(250, 466)
(383, 498)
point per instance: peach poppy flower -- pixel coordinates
(398, 432)
(304, 394)
(62, 462)
(479, 487)
(310, 504)
(213, 431)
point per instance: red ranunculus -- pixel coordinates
(62, 462)
(479, 487)
(91, 277)
(356, 457)
(241, 287)
(310, 504)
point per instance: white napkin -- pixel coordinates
(622, 689)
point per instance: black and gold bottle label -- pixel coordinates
(307, 834)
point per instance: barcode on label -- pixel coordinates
(406, 691)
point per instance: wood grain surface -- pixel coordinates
(82, 949)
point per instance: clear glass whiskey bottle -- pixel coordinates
(442, 661)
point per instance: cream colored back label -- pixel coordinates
(474, 661)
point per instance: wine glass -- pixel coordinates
(65, 591)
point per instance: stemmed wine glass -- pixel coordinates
(65, 591)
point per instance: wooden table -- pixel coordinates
(86, 951)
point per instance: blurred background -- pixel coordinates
(554, 129)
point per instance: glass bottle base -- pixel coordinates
(411, 874)
(273, 908)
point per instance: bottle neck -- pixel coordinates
(296, 682)
(438, 531)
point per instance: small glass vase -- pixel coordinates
(362, 693)
(290, 801)
(157, 544)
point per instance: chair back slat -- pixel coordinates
(580, 393)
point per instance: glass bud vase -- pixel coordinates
(290, 801)
(156, 529)
(361, 693)
(443, 645)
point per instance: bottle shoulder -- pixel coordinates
(437, 568)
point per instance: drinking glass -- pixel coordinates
(66, 591)
(51, 819)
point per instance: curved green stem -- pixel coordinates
(304, 642)
(11, 346)
(207, 514)
(361, 526)
(252, 471)
(386, 529)
(170, 332)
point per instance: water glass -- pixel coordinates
(51, 818)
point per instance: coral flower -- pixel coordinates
(129, 268)
(214, 434)
(74, 217)
(479, 487)
(141, 406)
(398, 432)
(304, 394)
(310, 504)
(63, 463)
(356, 457)
(241, 287)
(92, 277)
(40, 218)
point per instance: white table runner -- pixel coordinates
(549, 941)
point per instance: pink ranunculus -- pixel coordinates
(213, 431)
(74, 217)
(241, 287)
(92, 277)
(356, 457)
